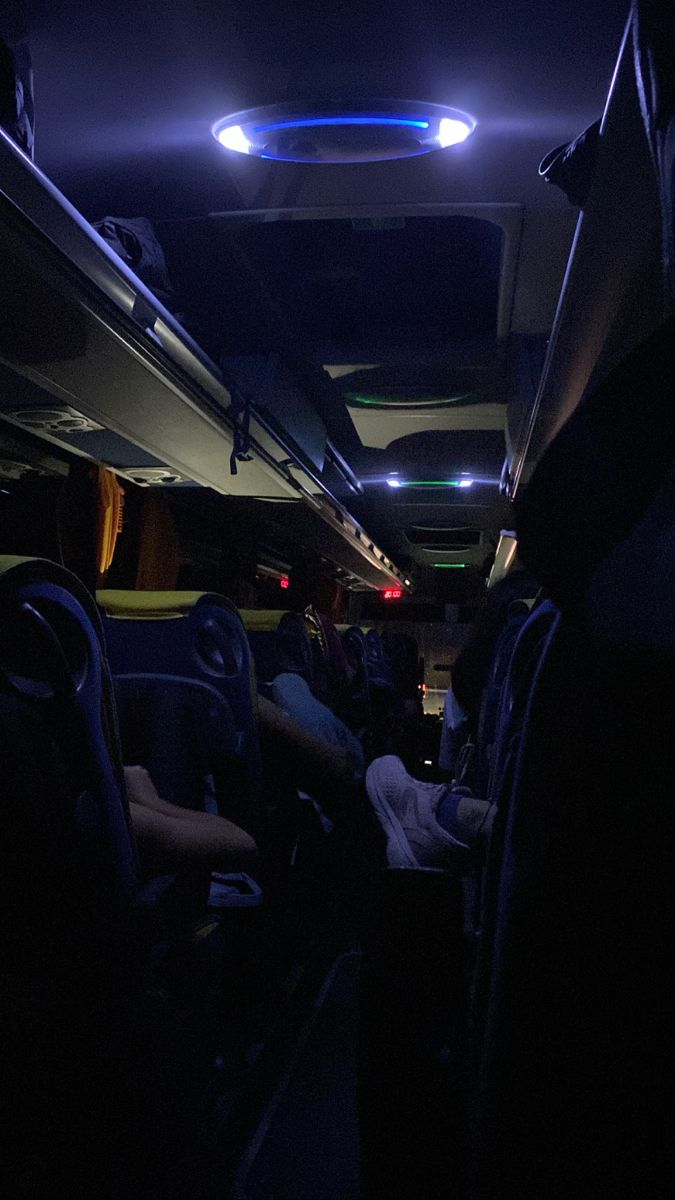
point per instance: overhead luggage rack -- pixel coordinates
(83, 340)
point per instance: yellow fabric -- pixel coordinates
(9, 561)
(147, 606)
(261, 620)
(110, 510)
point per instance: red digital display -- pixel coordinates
(392, 593)
(284, 582)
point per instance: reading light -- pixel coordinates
(394, 483)
(379, 130)
(232, 137)
(451, 131)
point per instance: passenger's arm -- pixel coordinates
(314, 761)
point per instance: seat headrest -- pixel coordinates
(149, 606)
(17, 569)
(261, 620)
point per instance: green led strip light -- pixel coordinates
(398, 400)
(449, 566)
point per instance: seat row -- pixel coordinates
(109, 967)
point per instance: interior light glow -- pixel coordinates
(394, 483)
(399, 400)
(450, 132)
(314, 122)
(234, 138)
(449, 566)
(431, 483)
(385, 129)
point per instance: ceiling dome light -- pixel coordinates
(380, 130)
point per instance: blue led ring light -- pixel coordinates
(384, 129)
(320, 122)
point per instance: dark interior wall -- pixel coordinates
(28, 523)
(53, 517)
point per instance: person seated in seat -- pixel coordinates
(445, 825)
(170, 838)
(308, 745)
(317, 749)
(311, 723)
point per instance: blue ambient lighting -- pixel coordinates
(317, 122)
(366, 132)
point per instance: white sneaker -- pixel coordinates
(406, 809)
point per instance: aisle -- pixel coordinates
(306, 1146)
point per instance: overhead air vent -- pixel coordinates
(63, 419)
(154, 476)
(9, 469)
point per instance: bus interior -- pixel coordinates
(323, 330)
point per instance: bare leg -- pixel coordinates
(169, 836)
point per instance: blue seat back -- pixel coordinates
(525, 647)
(263, 643)
(184, 733)
(68, 883)
(380, 673)
(354, 642)
(52, 665)
(293, 648)
(494, 696)
(572, 998)
(204, 640)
